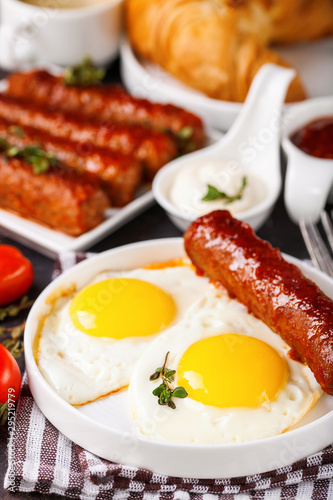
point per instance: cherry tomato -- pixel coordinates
(10, 376)
(16, 274)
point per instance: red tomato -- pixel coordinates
(16, 274)
(10, 376)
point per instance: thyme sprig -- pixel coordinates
(38, 158)
(164, 391)
(185, 133)
(83, 74)
(214, 194)
(14, 309)
(3, 413)
(186, 143)
(16, 130)
(15, 347)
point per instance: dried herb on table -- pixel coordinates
(13, 310)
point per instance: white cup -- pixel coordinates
(308, 179)
(31, 35)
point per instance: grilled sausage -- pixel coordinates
(108, 102)
(151, 148)
(228, 251)
(120, 175)
(61, 199)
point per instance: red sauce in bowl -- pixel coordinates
(316, 138)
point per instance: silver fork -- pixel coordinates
(315, 244)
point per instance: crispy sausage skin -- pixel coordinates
(59, 198)
(120, 175)
(151, 148)
(106, 102)
(229, 253)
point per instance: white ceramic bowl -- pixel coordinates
(32, 35)
(253, 142)
(104, 427)
(255, 216)
(308, 178)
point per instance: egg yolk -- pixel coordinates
(232, 370)
(122, 307)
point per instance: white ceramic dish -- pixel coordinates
(253, 141)
(104, 427)
(50, 242)
(312, 60)
(29, 34)
(308, 179)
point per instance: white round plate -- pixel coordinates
(313, 61)
(104, 427)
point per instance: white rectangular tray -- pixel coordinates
(50, 242)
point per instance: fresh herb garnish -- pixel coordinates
(185, 133)
(214, 194)
(83, 74)
(164, 392)
(38, 158)
(16, 130)
(185, 142)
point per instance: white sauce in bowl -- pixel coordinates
(190, 185)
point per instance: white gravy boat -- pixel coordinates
(308, 178)
(253, 141)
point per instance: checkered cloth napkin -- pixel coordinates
(41, 459)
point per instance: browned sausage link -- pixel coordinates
(151, 148)
(107, 102)
(120, 175)
(58, 198)
(228, 251)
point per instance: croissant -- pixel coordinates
(217, 46)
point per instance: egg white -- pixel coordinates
(195, 422)
(82, 368)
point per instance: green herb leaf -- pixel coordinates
(39, 159)
(169, 375)
(179, 392)
(3, 413)
(16, 347)
(164, 392)
(156, 374)
(12, 151)
(185, 133)
(158, 391)
(83, 74)
(165, 397)
(214, 194)
(16, 130)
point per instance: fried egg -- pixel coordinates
(90, 341)
(240, 381)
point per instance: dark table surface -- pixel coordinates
(151, 224)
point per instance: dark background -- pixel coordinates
(151, 224)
